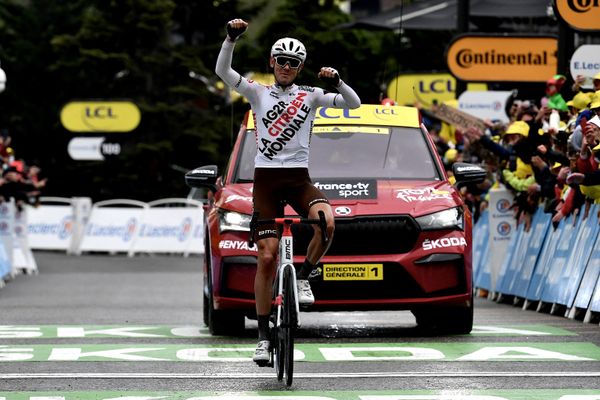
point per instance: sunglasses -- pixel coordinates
(283, 60)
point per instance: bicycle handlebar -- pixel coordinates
(255, 222)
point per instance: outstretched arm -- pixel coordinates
(346, 98)
(223, 68)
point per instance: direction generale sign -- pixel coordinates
(503, 58)
(100, 116)
(579, 14)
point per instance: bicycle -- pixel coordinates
(285, 307)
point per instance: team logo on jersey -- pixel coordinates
(282, 122)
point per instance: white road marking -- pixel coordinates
(210, 375)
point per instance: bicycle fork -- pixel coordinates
(286, 260)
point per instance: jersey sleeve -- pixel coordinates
(346, 98)
(231, 77)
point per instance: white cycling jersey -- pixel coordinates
(283, 117)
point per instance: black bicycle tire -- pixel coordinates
(289, 323)
(278, 348)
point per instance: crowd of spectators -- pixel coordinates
(548, 154)
(19, 180)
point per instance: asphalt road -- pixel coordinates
(99, 326)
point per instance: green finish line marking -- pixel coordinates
(186, 332)
(307, 352)
(549, 394)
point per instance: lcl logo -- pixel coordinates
(100, 116)
(99, 112)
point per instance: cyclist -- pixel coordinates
(283, 115)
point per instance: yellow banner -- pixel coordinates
(502, 58)
(367, 114)
(100, 116)
(408, 89)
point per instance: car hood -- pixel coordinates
(362, 197)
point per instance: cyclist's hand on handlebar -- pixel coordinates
(235, 28)
(330, 76)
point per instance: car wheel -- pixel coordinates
(221, 322)
(224, 322)
(452, 320)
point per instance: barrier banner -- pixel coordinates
(168, 230)
(81, 208)
(539, 228)
(573, 271)
(23, 259)
(595, 301)
(50, 227)
(592, 271)
(560, 258)
(112, 229)
(536, 285)
(7, 217)
(481, 234)
(196, 244)
(512, 260)
(501, 226)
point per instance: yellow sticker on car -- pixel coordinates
(352, 129)
(353, 272)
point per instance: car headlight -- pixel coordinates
(447, 219)
(233, 221)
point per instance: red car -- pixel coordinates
(402, 237)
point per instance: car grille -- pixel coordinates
(364, 236)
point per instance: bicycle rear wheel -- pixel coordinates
(290, 321)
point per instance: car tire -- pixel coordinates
(451, 320)
(221, 322)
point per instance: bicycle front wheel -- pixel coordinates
(289, 323)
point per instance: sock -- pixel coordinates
(263, 327)
(305, 270)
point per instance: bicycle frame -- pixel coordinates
(286, 257)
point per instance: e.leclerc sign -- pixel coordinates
(100, 116)
(486, 58)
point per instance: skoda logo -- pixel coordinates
(343, 210)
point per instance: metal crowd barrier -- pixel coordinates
(547, 269)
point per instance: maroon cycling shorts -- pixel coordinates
(275, 187)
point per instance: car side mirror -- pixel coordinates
(203, 177)
(466, 173)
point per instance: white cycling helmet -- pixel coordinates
(289, 47)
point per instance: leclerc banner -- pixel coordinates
(585, 61)
(113, 226)
(50, 227)
(487, 58)
(485, 105)
(170, 229)
(583, 15)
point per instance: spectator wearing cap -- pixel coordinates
(575, 139)
(589, 179)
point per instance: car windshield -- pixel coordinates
(357, 152)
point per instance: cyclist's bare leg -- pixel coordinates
(265, 272)
(316, 249)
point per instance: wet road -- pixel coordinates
(116, 327)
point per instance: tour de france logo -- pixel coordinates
(503, 205)
(503, 228)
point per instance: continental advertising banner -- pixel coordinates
(582, 15)
(488, 58)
